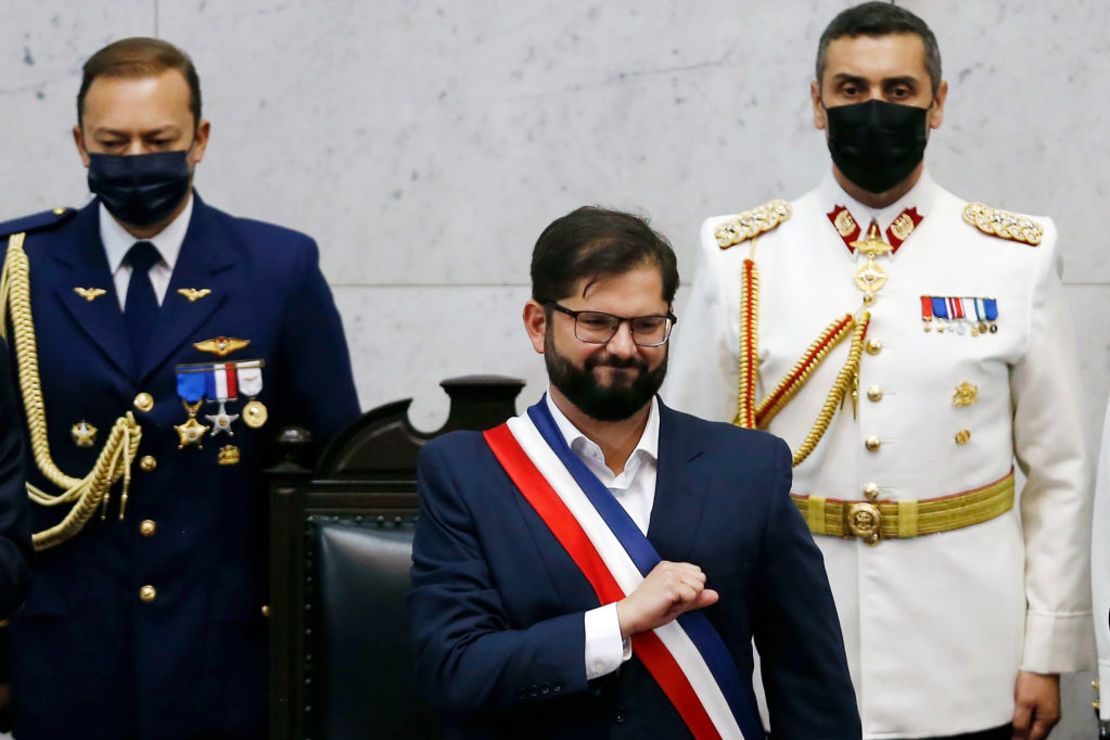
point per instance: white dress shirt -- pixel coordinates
(634, 489)
(117, 241)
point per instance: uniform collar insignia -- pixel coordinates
(194, 294)
(849, 230)
(90, 294)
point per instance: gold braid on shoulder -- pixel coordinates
(84, 495)
(751, 415)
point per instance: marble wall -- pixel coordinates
(426, 143)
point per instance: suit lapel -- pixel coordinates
(83, 263)
(206, 261)
(680, 494)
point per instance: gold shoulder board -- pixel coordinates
(750, 224)
(1003, 224)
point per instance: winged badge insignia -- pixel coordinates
(90, 294)
(194, 294)
(222, 346)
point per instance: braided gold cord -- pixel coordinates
(844, 381)
(793, 381)
(115, 459)
(749, 345)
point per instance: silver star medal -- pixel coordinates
(221, 421)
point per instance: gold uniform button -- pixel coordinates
(872, 444)
(963, 436)
(871, 490)
(58, 211)
(875, 393)
(148, 463)
(874, 346)
(147, 594)
(265, 611)
(144, 402)
(148, 527)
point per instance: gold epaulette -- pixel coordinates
(750, 224)
(1003, 224)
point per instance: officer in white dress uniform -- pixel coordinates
(911, 347)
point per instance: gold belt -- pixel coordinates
(876, 520)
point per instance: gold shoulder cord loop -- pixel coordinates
(115, 459)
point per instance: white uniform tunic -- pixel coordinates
(936, 627)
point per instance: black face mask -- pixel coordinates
(140, 189)
(877, 144)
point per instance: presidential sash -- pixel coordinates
(687, 658)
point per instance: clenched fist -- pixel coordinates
(669, 590)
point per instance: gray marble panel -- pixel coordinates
(429, 142)
(42, 47)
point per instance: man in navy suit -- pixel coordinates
(599, 566)
(161, 344)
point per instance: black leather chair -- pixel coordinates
(341, 545)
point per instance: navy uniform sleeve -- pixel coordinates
(470, 660)
(320, 388)
(796, 628)
(15, 510)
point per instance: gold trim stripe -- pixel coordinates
(903, 519)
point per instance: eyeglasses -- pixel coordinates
(595, 327)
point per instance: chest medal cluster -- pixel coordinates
(220, 385)
(959, 314)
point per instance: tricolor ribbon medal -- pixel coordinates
(687, 658)
(221, 383)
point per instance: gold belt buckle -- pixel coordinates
(863, 520)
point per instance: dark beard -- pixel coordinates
(604, 403)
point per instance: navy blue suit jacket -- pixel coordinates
(89, 658)
(497, 605)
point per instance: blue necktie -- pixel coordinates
(140, 310)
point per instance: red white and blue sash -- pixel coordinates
(687, 658)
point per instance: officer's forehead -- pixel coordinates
(877, 57)
(128, 102)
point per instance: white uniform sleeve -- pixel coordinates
(1100, 569)
(1050, 447)
(703, 374)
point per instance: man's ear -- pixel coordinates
(936, 114)
(535, 323)
(79, 142)
(200, 142)
(820, 120)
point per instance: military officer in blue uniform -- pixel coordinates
(160, 345)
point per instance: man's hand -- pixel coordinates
(669, 590)
(1037, 705)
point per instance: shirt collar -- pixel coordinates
(117, 241)
(921, 196)
(649, 440)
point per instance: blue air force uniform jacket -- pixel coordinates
(152, 626)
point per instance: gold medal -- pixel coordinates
(192, 431)
(255, 414)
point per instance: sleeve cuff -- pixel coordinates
(605, 649)
(1057, 643)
